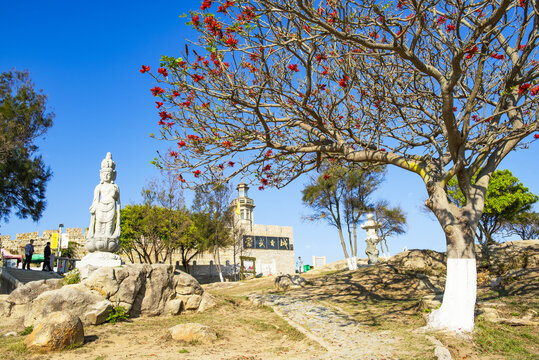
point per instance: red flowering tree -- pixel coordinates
(272, 89)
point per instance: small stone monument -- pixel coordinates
(103, 236)
(372, 240)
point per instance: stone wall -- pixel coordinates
(16, 246)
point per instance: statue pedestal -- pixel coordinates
(97, 260)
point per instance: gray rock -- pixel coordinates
(74, 299)
(193, 332)
(55, 331)
(99, 314)
(207, 302)
(285, 282)
(173, 307)
(185, 284)
(28, 292)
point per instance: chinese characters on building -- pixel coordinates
(266, 242)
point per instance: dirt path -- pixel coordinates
(341, 335)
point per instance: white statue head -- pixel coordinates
(107, 172)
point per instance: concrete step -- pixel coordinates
(25, 276)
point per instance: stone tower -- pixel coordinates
(243, 207)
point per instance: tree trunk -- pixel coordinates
(458, 305)
(217, 260)
(343, 244)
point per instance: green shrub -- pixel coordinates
(27, 331)
(118, 313)
(72, 277)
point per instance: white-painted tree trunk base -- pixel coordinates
(458, 305)
(352, 263)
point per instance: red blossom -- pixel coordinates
(145, 68)
(264, 181)
(522, 47)
(231, 164)
(165, 115)
(534, 91)
(230, 41)
(322, 87)
(401, 4)
(267, 168)
(496, 56)
(454, 108)
(441, 20)
(260, 188)
(180, 178)
(196, 173)
(321, 57)
(523, 3)
(523, 88)
(470, 52)
(221, 166)
(326, 177)
(196, 20)
(325, 72)
(536, 136)
(206, 4)
(227, 144)
(157, 90)
(476, 118)
(307, 28)
(159, 104)
(268, 153)
(193, 137)
(343, 81)
(197, 78)
(162, 71)
(293, 67)
(173, 154)
(377, 103)
(382, 149)
(450, 28)
(181, 144)
(175, 93)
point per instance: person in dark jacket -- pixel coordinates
(28, 252)
(47, 256)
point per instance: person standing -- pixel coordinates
(28, 252)
(47, 257)
(299, 264)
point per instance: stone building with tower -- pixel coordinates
(271, 246)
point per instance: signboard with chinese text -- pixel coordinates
(266, 242)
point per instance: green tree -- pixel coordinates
(23, 119)
(439, 88)
(341, 196)
(392, 222)
(525, 225)
(506, 199)
(148, 234)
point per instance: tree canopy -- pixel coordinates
(23, 119)
(507, 199)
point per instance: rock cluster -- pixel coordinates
(142, 289)
(285, 282)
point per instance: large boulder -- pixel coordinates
(74, 299)
(56, 331)
(192, 332)
(142, 289)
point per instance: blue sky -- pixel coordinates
(86, 57)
